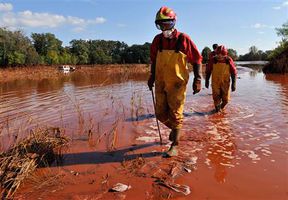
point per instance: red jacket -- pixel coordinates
(188, 47)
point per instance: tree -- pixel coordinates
(16, 49)
(253, 55)
(48, 46)
(205, 54)
(137, 54)
(278, 58)
(118, 51)
(80, 50)
(233, 54)
(283, 32)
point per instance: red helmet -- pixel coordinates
(222, 50)
(165, 19)
(165, 13)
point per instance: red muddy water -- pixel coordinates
(240, 153)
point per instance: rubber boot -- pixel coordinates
(172, 135)
(218, 108)
(172, 151)
(223, 104)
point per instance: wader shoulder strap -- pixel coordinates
(179, 43)
(160, 45)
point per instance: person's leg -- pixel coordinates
(225, 94)
(176, 98)
(162, 107)
(216, 93)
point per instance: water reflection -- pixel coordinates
(221, 147)
(282, 91)
(281, 80)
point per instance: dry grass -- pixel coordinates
(30, 73)
(39, 149)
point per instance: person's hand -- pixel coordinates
(207, 84)
(196, 86)
(233, 87)
(150, 82)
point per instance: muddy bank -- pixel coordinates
(279, 64)
(38, 73)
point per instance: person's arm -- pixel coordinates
(153, 55)
(194, 57)
(208, 71)
(233, 74)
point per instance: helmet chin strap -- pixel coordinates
(168, 33)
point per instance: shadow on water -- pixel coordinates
(186, 114)
(107, 157)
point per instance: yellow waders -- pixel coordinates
(171, 78)
(221, 84)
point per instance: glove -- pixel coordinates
(196, 86)
(207, 83)
(233, 86)
(207, 80)
(150, 82)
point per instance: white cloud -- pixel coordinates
(260, 26)
(78, 29)
(261, 32)
(98, 20)
(284, 4)
(28, 18)
(277, 7)
(75, 20)
(5, 7)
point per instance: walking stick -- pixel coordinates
(155, 116)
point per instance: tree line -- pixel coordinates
(16, 49)
(253, 54)
(278, 58)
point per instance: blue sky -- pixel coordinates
(237, 24)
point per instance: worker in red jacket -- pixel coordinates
(170, 52)
(213, 53)
(221, 67)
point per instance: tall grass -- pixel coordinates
(40, 148)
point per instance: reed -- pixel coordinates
(39, 149)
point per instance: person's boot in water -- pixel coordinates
(173, 150)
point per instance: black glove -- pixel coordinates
(197, 78)
(207, 83)
(150, 82)
(233, 87)
(207, 80)
(233, 84)
(196, 86)
(151, 79)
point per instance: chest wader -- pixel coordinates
(171, 78)
(220, 84)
